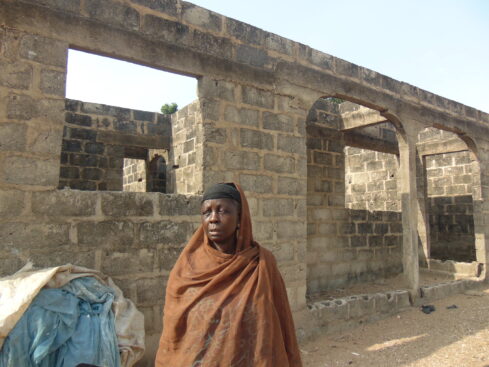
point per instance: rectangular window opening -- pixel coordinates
(118, 119)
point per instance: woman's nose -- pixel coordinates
(214, 217)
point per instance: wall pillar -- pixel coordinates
(423, 225)
(409, 204)
(480, 196)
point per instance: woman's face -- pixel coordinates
(220, 219)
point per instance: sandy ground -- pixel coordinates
(446, 337)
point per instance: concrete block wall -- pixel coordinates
(97, 138)
(255, 137)
(186, 153)
(345, 245)
(133, 237)
(371, 180)
(134, 175)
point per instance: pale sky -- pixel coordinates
(438, 45)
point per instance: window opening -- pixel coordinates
(115, 136)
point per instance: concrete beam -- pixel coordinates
(357, 140)
(441, 147)
(361, 118)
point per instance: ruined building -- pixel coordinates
(352, 177)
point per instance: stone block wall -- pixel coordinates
(133, 237)
(255, 138)
(345, 245)
(134, 175)
(450, 186)
(451, 206)
(97, 138)
(186, 153)
(371, 180)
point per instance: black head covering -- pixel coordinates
(222, 191)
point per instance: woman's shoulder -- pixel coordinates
(268, 257)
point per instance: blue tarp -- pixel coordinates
(64, 327)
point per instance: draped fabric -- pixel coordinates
(227, 310)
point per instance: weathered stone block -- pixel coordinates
(64, 203)
(94, 148)
(385, 302)
(360, 306)
(256, 183)
(125, 126)
(279, 164)
(164, 233)
(82, 134)
(151, 290)
(370, 77)
(211, 44)
(21, 107)
(280, 122)
(10, 265)
(241, 116)
(44, 140)
(72, 6)
(322, 158)
(279, 44)
(278, 207)
(106, 234)
(13, 137)
(127, 204)
(245, 32)
(358, 241)
(252, 56)
(128, 263)
(289, 230)
(201, 17)
(166, 29)
(166, 6)
(112, 12)
(93, 174)
(101, 109)
(211, 88)
(69, 172)
(83, 160)
(31, 171)
(291, 186)
(143, 115)
(11, 203)
(167, 257)
(77, 119)
(263, 231)
(256, 139)
(53, 82)
(291, 144)
(257, 97)
(242, 160)
(15, 75)
(25, 236)
(43, 50)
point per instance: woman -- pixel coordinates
(226, 304)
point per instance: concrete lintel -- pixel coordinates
(361, 118)
(448, 146)
(357, 140)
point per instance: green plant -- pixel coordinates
(168, 109)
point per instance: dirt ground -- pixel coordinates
(444, 338)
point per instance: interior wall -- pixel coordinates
(347, 243)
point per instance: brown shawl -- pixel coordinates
(227, 310)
